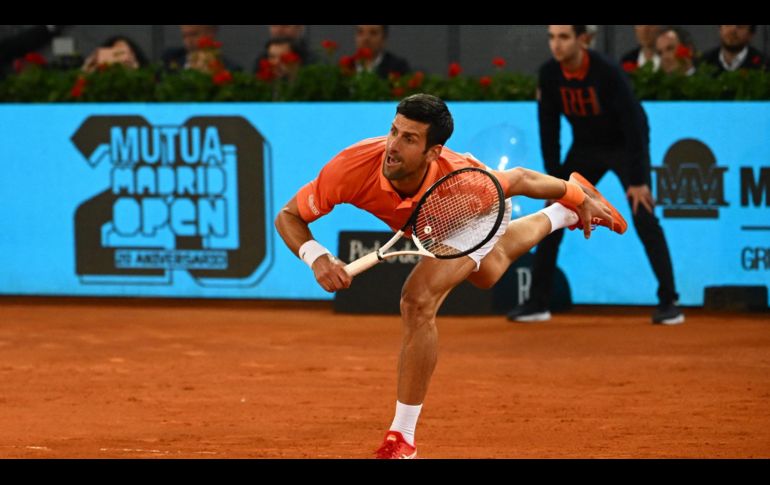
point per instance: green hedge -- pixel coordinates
(326, 82)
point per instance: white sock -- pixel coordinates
(405, 421)
(560, 216)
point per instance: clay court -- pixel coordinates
(90, 378)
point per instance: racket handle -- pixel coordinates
(362, 264)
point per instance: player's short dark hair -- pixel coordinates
(427, 108)
(579, 30)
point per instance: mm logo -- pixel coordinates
(690, 184)
(190, 198)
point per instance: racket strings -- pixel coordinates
(459, 214)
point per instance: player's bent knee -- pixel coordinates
(418, 307)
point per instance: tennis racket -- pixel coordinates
(456, 216)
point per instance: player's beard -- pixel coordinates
(394, 172)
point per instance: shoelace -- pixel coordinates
(388, 449)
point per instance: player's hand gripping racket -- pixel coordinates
(456, 216)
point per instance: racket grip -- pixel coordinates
(362, 264)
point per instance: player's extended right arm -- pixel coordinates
(328, 270)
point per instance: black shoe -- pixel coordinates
(668, 314)
(529, 312)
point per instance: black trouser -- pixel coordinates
(593, 165)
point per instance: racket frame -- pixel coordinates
(365, 262)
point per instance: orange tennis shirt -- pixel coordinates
(355, 177)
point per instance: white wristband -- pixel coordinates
(310, 251)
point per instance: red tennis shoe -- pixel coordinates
(394, 447)
(618, 225)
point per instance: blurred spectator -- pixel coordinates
(118, 49)
(296, 33)
(286, 36)
(293, 32)
(645, 52)
(735, 51)
(192, 56)
(676, 51)
(371, 40)
(23, 42)
(589, 38)
(282, 59)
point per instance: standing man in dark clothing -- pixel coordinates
(610, 132)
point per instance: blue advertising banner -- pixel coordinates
(178, 200)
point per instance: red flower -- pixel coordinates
(364, 53)
(756, 60)
(416, 80)
(630, 66)
(398, 91)
(329, 45)
(215, 65)
(498, 62)
(31, 58)
(348, 62)
(264, 64)
(455, 69)
(290, 57)
(394, 76)
(683, 52)
(266, 75)
(266, 72)
(222, 77)
(207, 42)
(485, 81)
(35, 58)
(78, 87)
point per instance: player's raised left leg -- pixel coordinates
(521, 235)
(525, 233)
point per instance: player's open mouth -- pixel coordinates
(390, 161)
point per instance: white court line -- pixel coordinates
(139, 450)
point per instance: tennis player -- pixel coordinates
(386, 176)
